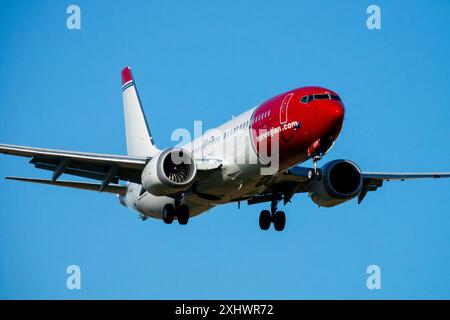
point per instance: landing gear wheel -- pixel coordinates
(265, 219)
(183, 214)
(315, 175)
(318, 175)
(279, 220)
(168, 214)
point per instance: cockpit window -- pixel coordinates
(335, 97)
(323, 96)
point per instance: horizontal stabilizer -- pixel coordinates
(111, 188)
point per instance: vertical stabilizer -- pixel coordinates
(139, 138)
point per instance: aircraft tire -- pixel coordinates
(265, 219)
(182, 214)
(168, 214)
(279, 220)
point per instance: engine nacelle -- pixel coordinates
(171, 171)
(340, 181)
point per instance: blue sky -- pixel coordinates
(209, 60)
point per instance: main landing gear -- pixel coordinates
(180, 211)
(278, 218)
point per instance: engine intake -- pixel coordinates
(171, 171)
(341, 181)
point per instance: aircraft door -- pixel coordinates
(284, 108)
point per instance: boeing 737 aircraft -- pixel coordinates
(254, 157)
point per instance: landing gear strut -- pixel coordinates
(278, 218)
(314, 173)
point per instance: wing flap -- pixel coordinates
(87, 165)
(405, 176)
(124, 161)
(374, 180)
(111, 188)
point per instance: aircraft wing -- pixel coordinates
(296, 180)
(104, 167)
(373, 180)
(111, 188)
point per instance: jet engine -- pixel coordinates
(171, 171)
(339, 181)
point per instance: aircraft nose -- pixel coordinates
(337, 112)
(333, 116)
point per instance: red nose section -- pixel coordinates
(335, 115)
(338, 112)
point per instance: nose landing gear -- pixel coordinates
(278, 218)
(314, 173)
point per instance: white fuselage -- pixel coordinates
(230, 144)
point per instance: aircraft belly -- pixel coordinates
(233, 183)
(220, 188)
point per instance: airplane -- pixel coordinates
(184, 181)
